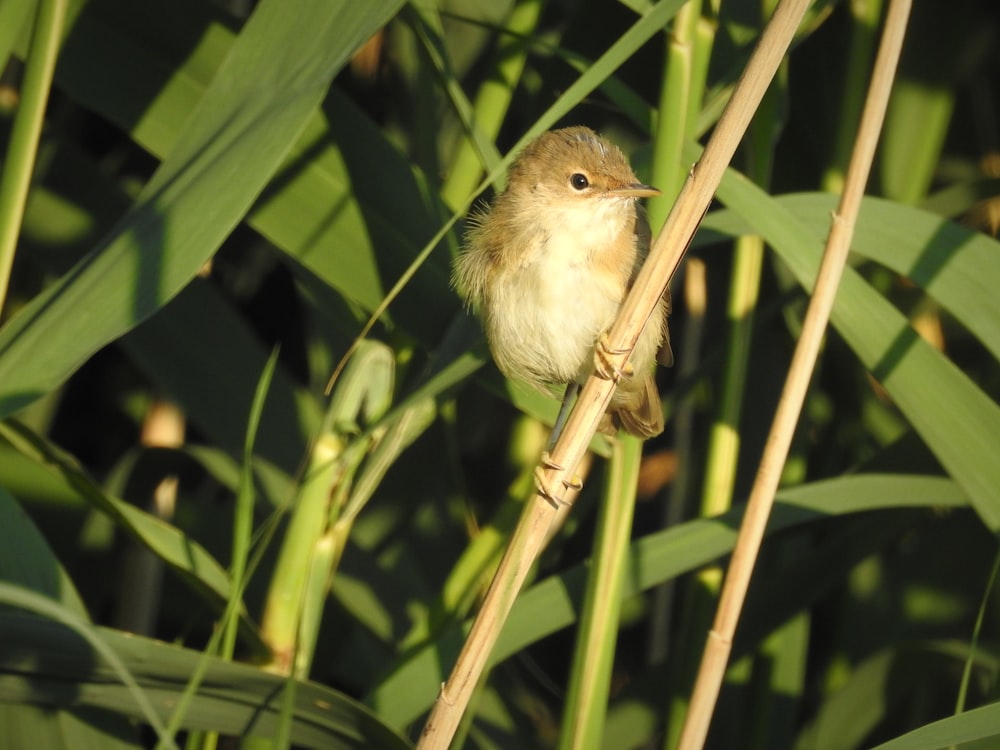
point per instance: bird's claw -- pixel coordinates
(604, 367)
(574, 483)
(548, 463)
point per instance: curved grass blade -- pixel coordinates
(954, 417)
(184, 555)
(275, 75)
(553, 604)
(45, 663)
(139, 702)
(955, 265)
(978, 725)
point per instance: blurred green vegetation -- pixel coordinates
(199, 547)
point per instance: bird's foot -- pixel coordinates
(574, 483)
(604, 367)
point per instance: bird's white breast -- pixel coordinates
(550, 309)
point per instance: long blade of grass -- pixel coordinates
(180, 552)
(553, 603)
(952, 263)
(41, 658)
(15, 178)
(274, 77)
(17, 596)
(979, 724)
(243, 512)
(27, 560)
(962, 429)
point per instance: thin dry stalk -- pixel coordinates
(716, 655)
(557, 478)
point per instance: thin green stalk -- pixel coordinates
(590, 680)
(677, 92)
(724, 442)
(685, 74)
(243, 516)
(687, 51)
(242, 533)
(723, 455)
(743, 295)
(704, 40)
(963, 688)
(865, 16)
(15, 180)
(724, 438)
(187, 698)
(493, 100)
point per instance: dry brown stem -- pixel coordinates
(718, 647)
(665, 256)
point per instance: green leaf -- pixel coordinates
(23, 726)
(79, 630)
(45, 663)
(956, 419)
(553, 603)
(183, 554)
(273, 78)
(979, 724)
(957, 266)
(14, 18)
(27, 561)
(345, 202)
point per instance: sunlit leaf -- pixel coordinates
(257, 105)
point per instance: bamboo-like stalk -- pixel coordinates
(680, 95)
(682, 91)
(682, 421)
(860, 53)
(593, 400)
(586, 705)
(723, 449)
(493, 99)
(15, 179)
(718, 647)
(281, 622)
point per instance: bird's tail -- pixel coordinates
(642, 414)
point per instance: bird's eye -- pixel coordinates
(579, 181)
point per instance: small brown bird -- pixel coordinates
(548, 267)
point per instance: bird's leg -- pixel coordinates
(569, 396)
(604, 367)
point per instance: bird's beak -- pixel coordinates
(636, 190)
